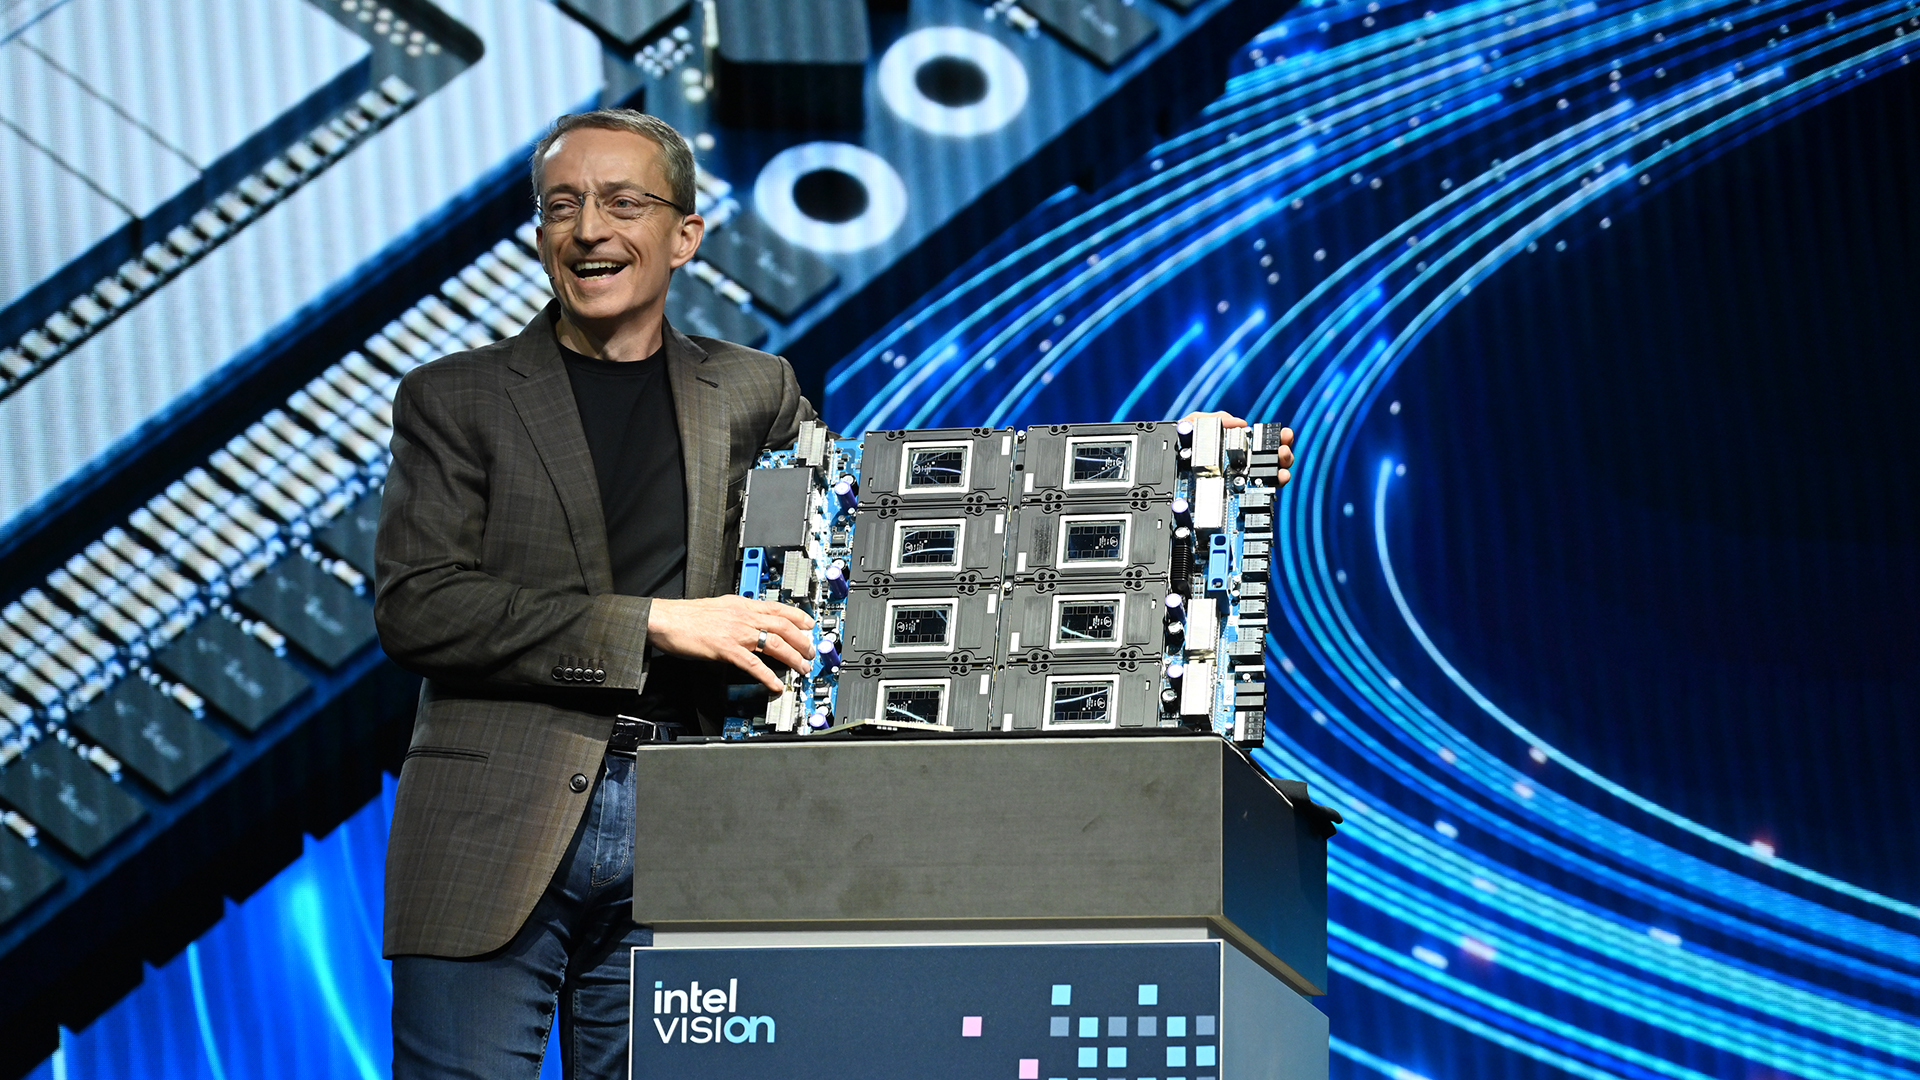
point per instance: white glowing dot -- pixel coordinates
(1645, 179)
(1762, 849)
(1664, 937)
(1374, 183)
(1286, 665)
(1320, 255)
(1046, 378)
(1484, 885)
(1477, 948)
(990, 363)
(1606, 223)
(1562, 103)
(1447, 755)
(1446, 829)
(1523, 789)
(1298, 203)
(1399, 470)
(1319, 717)
(900, 361)
(1059, 320)
(1093, 259)
(1347, 509)
(696, 94)
(1045, 345)
(1368, 21)
(1340, 576)
(1260, 245)
(703, 141)
(1429, 957)
(1221, 307)
(1273, 279)
(1538, 755)
(1394, 408)
(1401, 1072)
(1158, 164)
(1560, 246)
(1266, 260)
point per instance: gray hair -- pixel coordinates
(675, 155)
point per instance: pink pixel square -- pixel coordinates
(969, 1027)
(1029, 1069)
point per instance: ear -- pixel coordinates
(686, 239)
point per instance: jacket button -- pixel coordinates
(599, 674)
(559, 674)
(578, 783)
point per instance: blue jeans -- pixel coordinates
(488, 1017)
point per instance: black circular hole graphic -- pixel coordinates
(830, 195)
(951, 80)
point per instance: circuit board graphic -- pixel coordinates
(1075, 577)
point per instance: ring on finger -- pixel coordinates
(760, 643)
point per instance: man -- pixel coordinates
(562, 510)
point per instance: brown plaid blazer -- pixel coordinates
(494, 574)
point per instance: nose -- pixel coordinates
(591, 225)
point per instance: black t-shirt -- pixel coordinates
(626, 409)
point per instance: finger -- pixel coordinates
(1281, 480)
(1228, 420)
(1286, 456)
(1286, 436)
(779, 648)
(748, 662)
(792, 614)
(800, 641)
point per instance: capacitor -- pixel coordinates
(836, 579)
(1176, 671)
(829, 652)
(1183, 511)
(846, 494)
(821, 718)
(1176, 606)
(1176, 629)
(1169, 697)
(1184, 429)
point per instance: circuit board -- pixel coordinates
(1075, 577)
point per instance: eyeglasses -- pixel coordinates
(623, 206)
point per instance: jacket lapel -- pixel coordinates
(544, 399)
(700, 406)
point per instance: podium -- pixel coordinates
(1045, 908)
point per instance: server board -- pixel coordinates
(1069, 578)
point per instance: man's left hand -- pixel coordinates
(1228, 420)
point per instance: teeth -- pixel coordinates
(590, 267)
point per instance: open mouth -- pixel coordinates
(596, 269)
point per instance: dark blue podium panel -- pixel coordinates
(978, 1012)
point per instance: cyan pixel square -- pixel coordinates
(1203, 1055)
(1089, 1057)
(1116, 1027)
(1089, 1027)
(1147, 1027)
(1203, 1025)
(1062, 993)
(1176, 1057)
(1149, 993)
(1176, 1027)
(1059, 1026)
(1117, 1057)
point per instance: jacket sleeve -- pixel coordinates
(793, 410)
(438, 610)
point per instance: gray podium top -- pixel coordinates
(1038, 832)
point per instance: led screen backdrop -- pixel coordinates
(1596, 581)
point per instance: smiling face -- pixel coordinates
(610, 275)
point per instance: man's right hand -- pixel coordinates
(728, 627)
